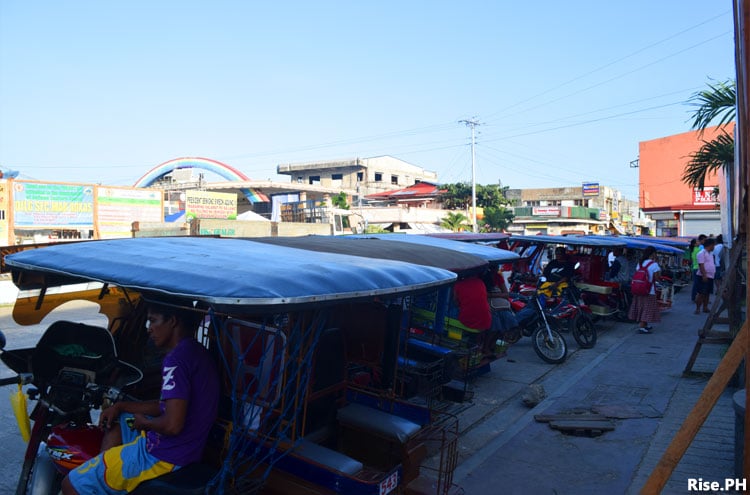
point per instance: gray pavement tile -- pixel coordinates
(631, 371)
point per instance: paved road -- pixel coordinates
(635, 379)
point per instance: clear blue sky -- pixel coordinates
(102, 91)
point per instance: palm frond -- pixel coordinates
(712, 156)
(718, 102)
(455, 221)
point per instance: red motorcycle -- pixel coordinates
(534, 321)
(73, 370)
(570, 306)
(567, 312)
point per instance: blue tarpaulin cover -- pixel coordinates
(228, 271)
(491, 254)
(458, 262)
(572, 240)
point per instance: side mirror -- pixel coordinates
(577, 265)
(2, 340)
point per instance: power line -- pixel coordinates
(609, 64)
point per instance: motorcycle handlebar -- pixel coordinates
(10, 381)
(114, 394)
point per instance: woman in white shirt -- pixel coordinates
(645, 309)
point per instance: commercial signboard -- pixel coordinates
(117, 209)
(546, 211)
(46, 205)
(207, 204)
(707, 196)
(590, 189)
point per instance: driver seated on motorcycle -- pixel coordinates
(144, 440)
(558, 272)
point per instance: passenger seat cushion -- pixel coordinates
(379, 422)
(328, 457)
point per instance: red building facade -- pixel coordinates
(678, 209)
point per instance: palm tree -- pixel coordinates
(717, 102)
(455, 221)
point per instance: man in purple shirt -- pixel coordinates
(173, 430)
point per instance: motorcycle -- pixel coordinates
(567, 312)
(535, 322)
(73, 370)
(573, 308)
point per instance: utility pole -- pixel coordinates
(472, 123)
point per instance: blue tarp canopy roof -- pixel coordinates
(457, 262)
(571, 240)
(491, 254)
(472, 237)
(226, 271)
(670, 241)
(660, 247)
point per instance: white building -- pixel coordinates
(363, 176)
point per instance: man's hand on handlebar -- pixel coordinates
(109, 417)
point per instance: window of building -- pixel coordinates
(360, 176)
(299, 179)
(667, 228)
(394, 179)
(337, 176)
(337, 180)
(314, 180)
(378, 177)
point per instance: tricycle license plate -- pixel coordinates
(388, 484)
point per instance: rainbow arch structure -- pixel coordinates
(222, 169)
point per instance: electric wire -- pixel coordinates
(424, 147)
(609, 64)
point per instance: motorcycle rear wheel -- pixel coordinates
(583, 330)
(554, 350)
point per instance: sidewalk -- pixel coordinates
(636, 380)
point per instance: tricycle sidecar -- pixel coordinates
(308, 345)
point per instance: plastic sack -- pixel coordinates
(18, 402)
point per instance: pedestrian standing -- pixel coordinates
(694, 265)
(706, 273)
(645, 309)
(719, 260)
(687, 256)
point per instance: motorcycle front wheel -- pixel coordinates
(553, 350)
(583, 330)
(45, 478)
